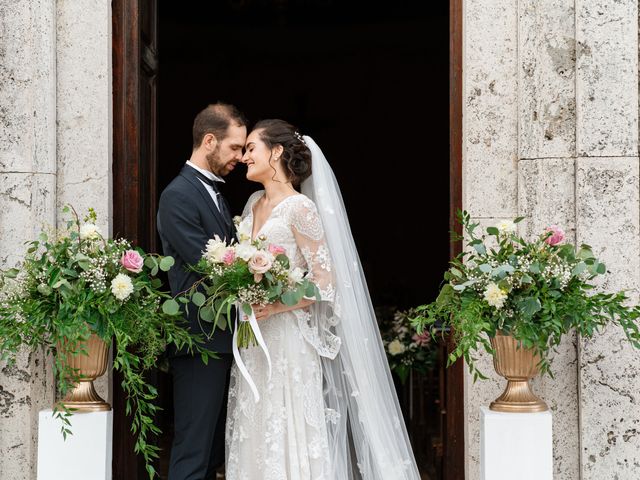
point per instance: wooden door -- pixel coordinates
(454, 446)
(135, 68)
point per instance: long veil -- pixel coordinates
(364, 416)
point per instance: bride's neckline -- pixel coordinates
(253, 216)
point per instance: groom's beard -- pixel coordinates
(215, 162)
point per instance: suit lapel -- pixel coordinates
(197, 184)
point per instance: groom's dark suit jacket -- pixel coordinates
(187, 219)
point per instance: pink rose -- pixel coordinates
(557, 235)
(132, 261)
(276, 249)
(259, 264)
(423, 339)
(229, 256)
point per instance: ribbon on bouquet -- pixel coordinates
(236, 353)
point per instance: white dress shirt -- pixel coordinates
(211, 176)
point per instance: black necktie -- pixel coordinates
(223, 208)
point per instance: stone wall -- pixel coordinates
(55, 147)
(551, 133)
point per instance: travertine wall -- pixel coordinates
(551, 133)
(55, 148)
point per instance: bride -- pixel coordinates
(329, 409)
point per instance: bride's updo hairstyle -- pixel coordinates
(296, 156)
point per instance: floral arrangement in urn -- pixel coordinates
(532, 291)
(406, 349)
(76, 292)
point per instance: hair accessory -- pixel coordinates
(299, 137)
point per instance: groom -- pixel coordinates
(192, 211)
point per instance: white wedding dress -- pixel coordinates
(330, 410)
(284, 435)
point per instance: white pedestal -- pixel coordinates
(84, 455)
(515, 445)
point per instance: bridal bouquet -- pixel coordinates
(534, 290)
(74, 283)
(244, 273)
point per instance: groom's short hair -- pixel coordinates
(216, 119)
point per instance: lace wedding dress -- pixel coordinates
(284, 435)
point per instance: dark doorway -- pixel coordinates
(370, 82)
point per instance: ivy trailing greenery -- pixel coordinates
(537, 291)
(75, 283)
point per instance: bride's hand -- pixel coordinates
(262, 312)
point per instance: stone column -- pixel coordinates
(55, 148)
(490, 157)
(84, 115)
(546, 177)
(27, 203)
(607, 216)
(571, 71)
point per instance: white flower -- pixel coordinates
(245, 251)
(296, 275)
(121, 286)
(396, 347)
(244, 230)
(90, 231)
(495, 296)
(506, 227)
(215, 250)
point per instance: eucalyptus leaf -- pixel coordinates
(480, 248)
(485, 267)
(170, 307)
(206, 314)
(289, 298)
(530, 306)
(457, 273)
(44, 289)
(166, 263)
(11, 273)
(198, 299)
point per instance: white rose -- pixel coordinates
(245, 251)
(121, 286)
(215, 250)
(90, 231)
(506, 227)
(244, 230)
(495, 296)
(296, 275)
(396, 347)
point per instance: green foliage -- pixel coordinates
(536, 291)
(64, 291)
(406, 349)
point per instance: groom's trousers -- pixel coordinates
(200, 410)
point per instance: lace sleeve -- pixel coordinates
(309, 234)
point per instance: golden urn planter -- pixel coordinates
(83, 397)
(518, 365)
